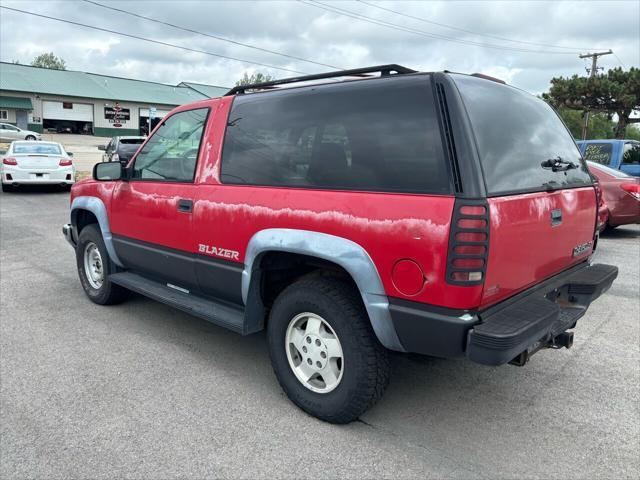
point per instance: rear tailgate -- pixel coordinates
(534, 236)
(541, 198)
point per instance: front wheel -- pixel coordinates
(29, 137)
(324, 351)
(94, 268)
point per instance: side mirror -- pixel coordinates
(106, 171)
(102, 147)
(70, 154)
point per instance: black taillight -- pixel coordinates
(468, 242)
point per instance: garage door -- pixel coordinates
(67, 111)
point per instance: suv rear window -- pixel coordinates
(598, 153)
(515, 132)
(379, 135)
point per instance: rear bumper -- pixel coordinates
(516, 328)
(13, 176)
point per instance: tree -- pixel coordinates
(253, 78)
(633, 132)
(616, 92)
(49, 60)
(600, 125)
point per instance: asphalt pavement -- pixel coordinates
(141, 390)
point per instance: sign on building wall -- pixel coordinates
(116, 115)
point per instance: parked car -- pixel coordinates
(41, 163)
(405, 211)
(9, 133)
(121, 149)
(621, 155)
(621, 193)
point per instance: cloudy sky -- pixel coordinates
(523, 42)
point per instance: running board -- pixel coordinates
(219, 313)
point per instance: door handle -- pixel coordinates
(185, 205)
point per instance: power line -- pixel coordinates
(186, 29)
(166, 44)
(394, 26)
(619, 61)
(467, 31)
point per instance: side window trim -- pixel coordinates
(155, 132)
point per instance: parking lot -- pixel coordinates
(141, 390)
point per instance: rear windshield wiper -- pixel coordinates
(558, 164)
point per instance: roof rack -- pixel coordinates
(383, 69)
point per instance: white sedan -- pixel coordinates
(41, 163)
(9, 133)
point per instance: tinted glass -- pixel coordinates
(377, 135)
(37, 148)
(631, 154)
(598, 153)
(516, 132)
(126, 150)
(172, 151)
(607, 170)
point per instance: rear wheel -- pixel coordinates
(324, 352)
(6, 187)
(29, 137)
(94, 268)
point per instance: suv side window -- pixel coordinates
(631, 154)
(172, 151)
(378, 135)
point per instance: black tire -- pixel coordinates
(108, 293)
(30, 137)
(365, 375)
(6, 187)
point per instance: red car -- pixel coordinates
(621, 194)
(394, 210)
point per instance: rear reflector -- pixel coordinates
(468, 242)
(632, 189)
(471, 210)
(471, 237)
(9, 161)
(470, 249)
(467, 277)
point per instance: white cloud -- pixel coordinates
(312, 33)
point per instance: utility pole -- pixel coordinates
(592, 73)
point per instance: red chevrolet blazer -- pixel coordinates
(381, 209)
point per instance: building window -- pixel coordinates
(4, 115)
(67, 105)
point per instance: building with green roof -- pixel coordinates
(43, 99)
